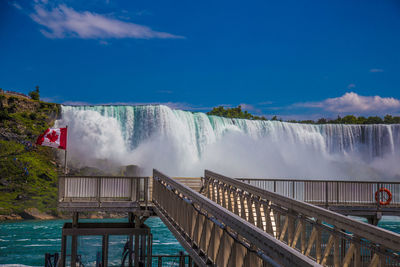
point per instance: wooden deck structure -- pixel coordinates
(329, 238)
(214, 236)
(222, 221)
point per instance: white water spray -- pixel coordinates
(182, 143)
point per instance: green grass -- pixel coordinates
(35, 186)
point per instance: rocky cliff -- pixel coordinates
(28, 174)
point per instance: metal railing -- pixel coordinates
(329, 192)
(212, 235)
(329, 238)
(180, 260)
(101, 190)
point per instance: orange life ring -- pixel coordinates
(383, 196)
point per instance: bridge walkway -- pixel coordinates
(214, 236)
(234, 222)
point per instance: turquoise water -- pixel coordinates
(26, 242)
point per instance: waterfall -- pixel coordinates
(185, 143)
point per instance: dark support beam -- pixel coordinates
(149, 250)
(75, 219)
(374, 219)
(131, 217)
(105, 251)
(63, 250)
(74, 248)
(130, 250)
(159, 261)
(181, 259)
(136, 253)
(74, 243)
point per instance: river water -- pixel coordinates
(26, 242)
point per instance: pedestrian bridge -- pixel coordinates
(239, 223)
(232, 223)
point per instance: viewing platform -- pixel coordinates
(222, 221)
(103, 193)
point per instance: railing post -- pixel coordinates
(378, 204)
(146, 191)
(132, 188)
(98, 189)
(274, 186)
(337, 192)
(138, 189)
(326, 194)
(293, 189)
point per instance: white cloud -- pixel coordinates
(251, 108)
(352, 102)
(63, 21)
(350, 86)
(376, 70)
(247, 106)
(16, 5)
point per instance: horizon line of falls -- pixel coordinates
(182, 143)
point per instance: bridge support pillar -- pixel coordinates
(74, 241)
(374, 219)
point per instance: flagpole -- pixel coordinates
(65, 153)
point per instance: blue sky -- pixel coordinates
(295, 59)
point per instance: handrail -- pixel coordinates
(104, 176)
(103, 188)
(270, 246)
(340, 196)
(312, 180)
(384, 237)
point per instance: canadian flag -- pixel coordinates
(54, 137)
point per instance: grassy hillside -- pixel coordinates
(28, 174)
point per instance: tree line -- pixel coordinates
(234, 113)
(237, 112)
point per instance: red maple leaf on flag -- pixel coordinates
(53, 136)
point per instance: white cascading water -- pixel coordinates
(182, 143)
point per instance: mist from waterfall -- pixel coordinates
(182, 143)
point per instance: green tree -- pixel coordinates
(374, 120)
(236, 112)
(388, 119)
(349, 119)
(35, 95)
(396, 120)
